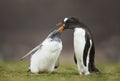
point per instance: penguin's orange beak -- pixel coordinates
(61, 26)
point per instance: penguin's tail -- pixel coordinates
(94, 70)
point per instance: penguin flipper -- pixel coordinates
(31, 52)
(75, 60)
(57, 64)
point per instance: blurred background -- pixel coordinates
(26, 23)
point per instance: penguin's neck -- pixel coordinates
(55, 36)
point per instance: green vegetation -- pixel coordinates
(17, 71)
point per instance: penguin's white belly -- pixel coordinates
(79, 43)
(79, 46)
(45, 58)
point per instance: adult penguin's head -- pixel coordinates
(71, 23)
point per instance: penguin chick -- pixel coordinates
(45, 56)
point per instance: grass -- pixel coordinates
(17, 71)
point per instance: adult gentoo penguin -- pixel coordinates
(83, 46)
(45, 56)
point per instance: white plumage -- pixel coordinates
(79, 45)
(44, 59)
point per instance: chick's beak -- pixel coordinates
(61, 26)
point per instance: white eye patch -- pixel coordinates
(65, 19)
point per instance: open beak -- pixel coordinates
(61, 26)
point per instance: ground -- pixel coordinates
(13, 71)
